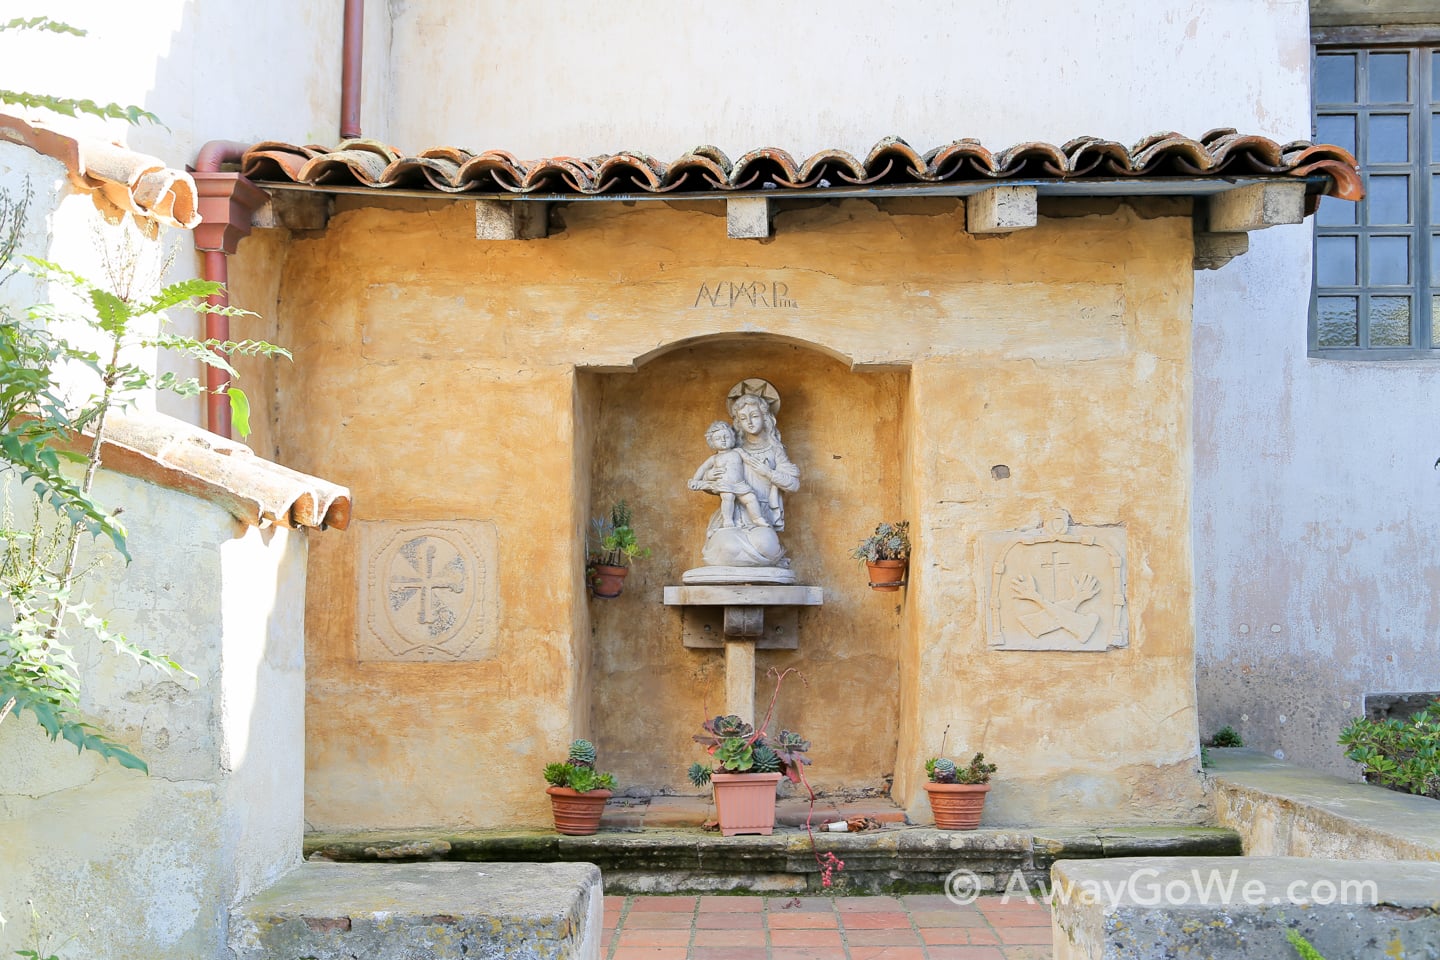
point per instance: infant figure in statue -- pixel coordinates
(751, 474)
(723, 473)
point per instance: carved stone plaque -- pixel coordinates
(1061, 587)
(427, 590)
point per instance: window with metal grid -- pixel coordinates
(1377, 262)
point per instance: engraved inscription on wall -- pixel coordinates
(1060, 587)
(733, 294)
(427, 590)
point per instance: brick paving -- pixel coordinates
(924, 927)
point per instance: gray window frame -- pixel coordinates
(1423, 228)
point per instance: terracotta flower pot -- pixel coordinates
(607, 582)
(888, 575)
(577, 814)
(745, 802)
(957, 806)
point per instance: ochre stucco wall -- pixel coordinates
(437, 376)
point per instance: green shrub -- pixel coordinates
(1227, 736)
(1403, 755)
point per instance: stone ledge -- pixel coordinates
(1221, 908)
(1281, 809)
(891, 859)
(332, 911)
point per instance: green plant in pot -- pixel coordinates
(612, 548)
(957, 793)
(886, 554)
(748, 764)
(578, 791)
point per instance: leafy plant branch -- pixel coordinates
(48, 433)
(66, 105)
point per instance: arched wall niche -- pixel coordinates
(642, 435)
(841, 356)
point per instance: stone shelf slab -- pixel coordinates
(744, 595)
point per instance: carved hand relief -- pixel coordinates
(1061, 587)
(427, 591)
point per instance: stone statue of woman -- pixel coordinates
(742, 546)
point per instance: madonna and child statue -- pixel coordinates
(750, 473)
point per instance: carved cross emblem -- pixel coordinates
(423, 569)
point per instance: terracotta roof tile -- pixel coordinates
(1219, 153)
(257, 492)
(120, 180)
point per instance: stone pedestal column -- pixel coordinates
(743, 629)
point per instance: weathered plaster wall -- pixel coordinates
(119, 864)
(442, 380)
(781, 76)
(1316, 502)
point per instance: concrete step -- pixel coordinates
(894, 858)
(424, 911)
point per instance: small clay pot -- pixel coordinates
(957, 806)
(577, 814)
(607, 582)
(887, 575)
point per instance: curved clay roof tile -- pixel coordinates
(1220, 152)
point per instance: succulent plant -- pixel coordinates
(890, 541)
(736, 755)
(942, 770)
(583, 780)
(977, 772)
(582, 753)
(578, 773)
(739, 748)
(730, 726)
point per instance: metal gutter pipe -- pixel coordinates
(352, 47)
(226, 202)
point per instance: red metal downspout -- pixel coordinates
(226, 202)
(350, 60)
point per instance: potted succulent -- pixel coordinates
(578, 791)
(749, 763)
(957, 794)
(613, 547)
(886, 554)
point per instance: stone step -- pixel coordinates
(424, 911)
(1228, 909)
(894, 858)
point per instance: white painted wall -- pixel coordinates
(118, 864)
(1316, 512)
(553, 78)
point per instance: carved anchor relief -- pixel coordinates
(1060, 587)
